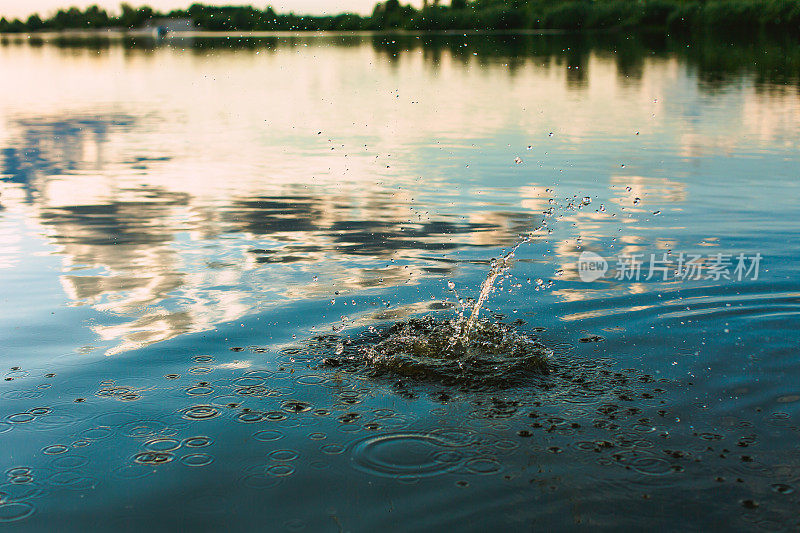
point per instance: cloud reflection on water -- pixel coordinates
(184, 189)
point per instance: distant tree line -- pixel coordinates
(666, 15)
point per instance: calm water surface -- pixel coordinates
(177, 220)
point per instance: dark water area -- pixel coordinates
(203, 240)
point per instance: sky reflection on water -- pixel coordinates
(306, 156)
(189, 197)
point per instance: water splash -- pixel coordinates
(498, 267)
(464, 350)
(422, 349)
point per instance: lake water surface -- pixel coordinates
(180, 222)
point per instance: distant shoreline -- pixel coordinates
(668, 17)
(116, 33)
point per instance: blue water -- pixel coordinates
(180, 220)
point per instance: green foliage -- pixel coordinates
(685, 17)
(733, 16)
(673, 16)
(34, 23)
(566, 16)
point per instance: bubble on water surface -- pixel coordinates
(249, 381)
(483, 466)
(198, 442)
(70, 461)
(311, 379)
(651, 466)
(97, 433)
(55, 449)
(782, 488)
(789, 398)
(132, 471)
(199, 391)
(116, 418)
(14, 492)
(200, 412)
(268, 435)
(145, 428)
(18, 471)
(153, 458)
(20, 418)
(402, 454)
(162, 445)
(283, 455)
(296, 406)
(197, 459)
(332, 449)
(260, 481)
(67, 478)
(280, 470)
(15, 511)
(251, 417)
